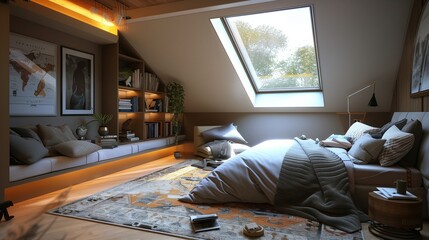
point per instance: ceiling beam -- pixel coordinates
(185, 7)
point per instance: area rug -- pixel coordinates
(150, 203)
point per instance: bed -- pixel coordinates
(278, 172)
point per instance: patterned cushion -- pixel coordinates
(358, 129)
(76, 148)
(366, 149)
(397, 145)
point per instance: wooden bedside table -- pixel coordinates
(395, 219)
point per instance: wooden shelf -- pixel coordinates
(120, 62)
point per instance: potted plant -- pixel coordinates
(176, 99)
(103, 120)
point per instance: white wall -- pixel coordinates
(359, 41)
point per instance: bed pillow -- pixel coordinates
(414, 127)
(366, 149)
(205, 151)
(397, 145)
(357, 129)
(25, 150)
(76, 148)
(227, 132)
(53, 135)
(379, 132)
(335, 140)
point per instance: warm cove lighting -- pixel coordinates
(77, 12)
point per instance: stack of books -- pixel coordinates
(108, 141)
(391, 194)
(129, 104)
(128, 136)
(125, 105)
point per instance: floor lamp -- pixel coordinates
(372, 102)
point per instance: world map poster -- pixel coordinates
(32, 73)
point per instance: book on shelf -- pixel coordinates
(391, 194)
(130, 139)
(151, 81)
(135, 104)
(109, 136)
(108, 144)
(152, 129)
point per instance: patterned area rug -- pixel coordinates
(150, 203)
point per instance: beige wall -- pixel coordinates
(4, 98)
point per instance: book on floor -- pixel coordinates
(207, 222)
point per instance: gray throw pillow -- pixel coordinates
(379, 133)
(414, 127)
(26, 132)
(366, 149)
(76, 148)
(53, 135)
(227, 132)
(26, 150)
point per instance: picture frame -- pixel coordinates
(77, 82)
(32, 76)
(420, 69)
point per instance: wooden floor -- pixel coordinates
(31, 212)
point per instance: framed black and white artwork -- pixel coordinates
(420, 70)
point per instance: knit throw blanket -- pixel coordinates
(313, 183)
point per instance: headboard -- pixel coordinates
(423, 155)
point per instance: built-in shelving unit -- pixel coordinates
(133, 94)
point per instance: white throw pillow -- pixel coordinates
(397, 145)
(358, 129)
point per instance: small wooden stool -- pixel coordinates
(395, 219)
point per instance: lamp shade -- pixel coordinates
(373, 101)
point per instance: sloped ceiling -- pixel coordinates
(359, 41)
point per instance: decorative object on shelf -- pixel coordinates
(32, 71)
(126, 126)
(176, 100)
(77, 82)
(372, 102)
(419, 77)
(103, 120)
(81, 131)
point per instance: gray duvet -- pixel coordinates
(265, 174)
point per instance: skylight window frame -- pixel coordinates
(247, 69)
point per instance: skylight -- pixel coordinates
(275, 56)
(277, 49)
